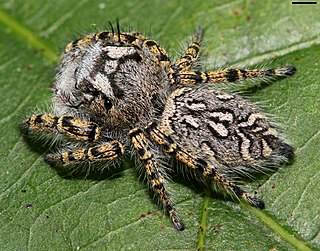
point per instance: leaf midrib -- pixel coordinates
(29, 37)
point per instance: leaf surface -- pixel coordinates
(40, 210)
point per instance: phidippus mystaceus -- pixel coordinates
(118, 92)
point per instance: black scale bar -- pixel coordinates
(304, 2)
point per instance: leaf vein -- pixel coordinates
(203, 224)
(277, 53)
(28, 36)
(305, 145)
(19, 106)
(63, 19)
(302, 195)
(2, 195)
(115, 231)
(277, 228)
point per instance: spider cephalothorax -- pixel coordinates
(123, 85)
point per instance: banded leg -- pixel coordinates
(201, 166)
(107, 151)
(231, 75)
(191, 54)
(106, 37)
(136, 39)
(70, 126)
(155, 178)
(121, 38)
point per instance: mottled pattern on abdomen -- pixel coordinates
(220, 127)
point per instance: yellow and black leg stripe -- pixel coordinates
(107, 151)
(204, 168)
(191, 54)
(67, 125)
(155, 178)
(232, 75)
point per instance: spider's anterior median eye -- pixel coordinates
(107, 103)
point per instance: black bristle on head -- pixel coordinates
(118, 30)
(111, 27)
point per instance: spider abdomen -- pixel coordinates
(223, 128)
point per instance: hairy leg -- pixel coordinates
(69, 126)
(191, 54)
(106, 151)
(231, 75)
(197, 164)
(154, 175)
(122, 38)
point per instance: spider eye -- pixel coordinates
(107, 103)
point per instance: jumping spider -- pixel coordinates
(116, 91)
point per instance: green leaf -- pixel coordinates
(41, 210)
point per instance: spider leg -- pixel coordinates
(155, 178)
(70, 126)
(125, 39)
(201, 166)
(191, 54)
(231, 75)
(158, 51)
(105, 151)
